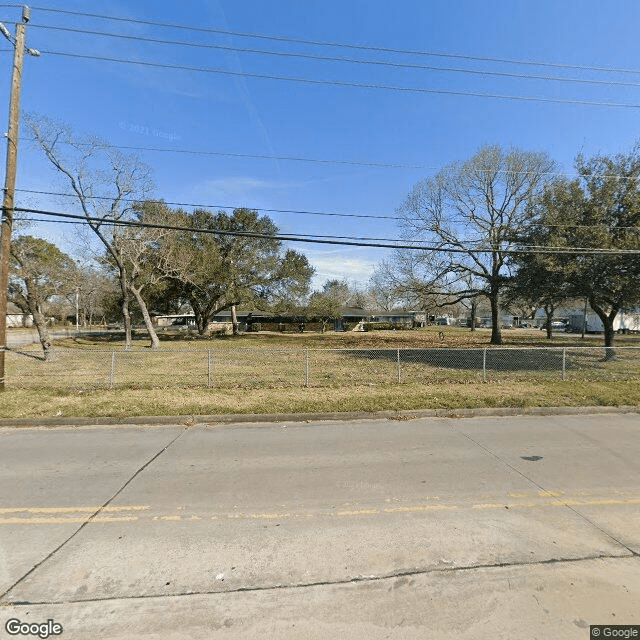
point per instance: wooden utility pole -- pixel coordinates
(10, 179)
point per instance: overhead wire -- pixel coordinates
(334, 240)
(255, 156)
(315, 57)
(341, 83)
(219, 206)
(357, 163)
(228, 207)
(336, 44)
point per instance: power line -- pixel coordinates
(229, 154)
(308, 56)
(336, 44)
(342, 83)
(300, 211)
(220, 206)
(333, 240)
(357, 163)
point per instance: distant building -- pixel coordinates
(350, 317)
(17, 318)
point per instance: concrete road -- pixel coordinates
(21, 337)
(428, 528)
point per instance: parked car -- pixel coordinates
(556, 325)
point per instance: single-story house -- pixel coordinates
(350, 317)
(17, 318)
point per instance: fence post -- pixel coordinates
(484, 365)
(209, 368)
(112, 373)
(564, 362)
(306, 366)
(399, 379)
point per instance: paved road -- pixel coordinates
(427, 528)
(22, 337)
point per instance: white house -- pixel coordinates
(17, 318)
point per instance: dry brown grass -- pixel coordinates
(267, 373)
(412, 396)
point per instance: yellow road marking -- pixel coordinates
(421, 507)
(136, 507)
(40, 521)
(78, 515)
(359, 512)
(489, 505)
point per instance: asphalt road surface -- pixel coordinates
(429, 528)
(21, 337)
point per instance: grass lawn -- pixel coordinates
(433, 336)
(26, 403)
(440, 367)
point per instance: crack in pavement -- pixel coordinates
(92, 517)
(539, 486)
(328, 583)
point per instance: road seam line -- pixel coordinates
(329, 583)
(93, 516)
(564, 503)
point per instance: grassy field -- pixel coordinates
(438, 367)
(434, 336)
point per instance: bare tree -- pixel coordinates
(382, 289)
(91, 286)
(409, 284)
(469, 215)
(150, 254)
(105, 182)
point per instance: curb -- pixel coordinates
(191, 420)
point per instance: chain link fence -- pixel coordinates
(81, 369)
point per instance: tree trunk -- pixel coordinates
(549, 313)
(496, 335)
(39, 319)
(155, 343)
(202, 316)
(609, 351)
(474, 309)
(234, 321)
(43, 333)
(607, 322)
(126, 317)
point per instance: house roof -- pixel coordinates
(13, 309)
(354, 311)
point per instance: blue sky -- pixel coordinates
(179, 110)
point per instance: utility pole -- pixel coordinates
(10, 176)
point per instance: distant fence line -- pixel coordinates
(307, 367)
